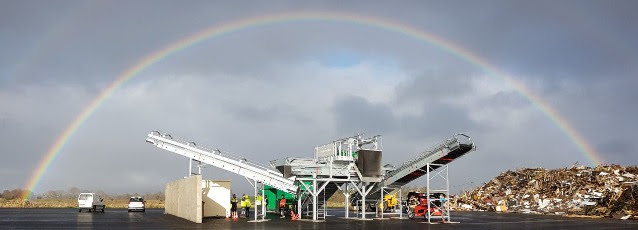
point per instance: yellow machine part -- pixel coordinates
(390, 200)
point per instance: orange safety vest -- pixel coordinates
(282, 203)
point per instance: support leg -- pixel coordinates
(255, 185)
(447, 193)
(363, 202)
(427, 175)
(401, 202)
(314, 200)
(347, 195)
(324, 205)
(382, 206)
(299, 204)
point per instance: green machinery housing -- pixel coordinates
(273, 196)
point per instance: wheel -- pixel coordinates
(79, 210)
(143, 210)
(129, 210)
(411, 214)
(103, 207)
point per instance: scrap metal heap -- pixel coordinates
(606, 190)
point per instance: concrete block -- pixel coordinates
(183, 198)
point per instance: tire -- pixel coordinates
(79, 210)
(129, 210)
(411, 215)
(103, 207)
(143, 210)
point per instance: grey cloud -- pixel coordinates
(438, 119)
(357, 115)
(507, 100)
(264, 114)
(618, 148)
(435, 85)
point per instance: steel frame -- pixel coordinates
(333, 163)
(442, 173)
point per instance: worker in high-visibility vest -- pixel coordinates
(246, 203)
(233, 206)
(282, 206)
(258, 200)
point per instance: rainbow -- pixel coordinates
(342, 17)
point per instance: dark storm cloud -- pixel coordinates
(621, 147)
(435, 85)
(438, 118)
(356, 114)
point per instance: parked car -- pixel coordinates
(90, 202)
(136, 203)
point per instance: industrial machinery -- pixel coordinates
(418, 204)
(351, 165)
(390, 203)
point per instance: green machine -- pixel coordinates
(273, 196)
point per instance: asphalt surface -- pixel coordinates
(156, 219)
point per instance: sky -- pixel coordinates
(280, 89)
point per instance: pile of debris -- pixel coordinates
(603, 191)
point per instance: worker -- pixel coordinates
(233, 206)
(258, 200)
(444, 205)
(246, 205)
(282, 206)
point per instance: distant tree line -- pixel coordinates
(73, 192)
(12, 194)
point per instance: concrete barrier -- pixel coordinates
(183, 198)
(216, 197)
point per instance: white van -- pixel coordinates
(90, 201)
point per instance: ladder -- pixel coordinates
(321, 208)
(223, 160)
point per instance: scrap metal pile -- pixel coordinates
(607, 191)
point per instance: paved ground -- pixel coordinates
(155, 219)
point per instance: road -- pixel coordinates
(156, 219)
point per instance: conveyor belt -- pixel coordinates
(224, 161)
(443, 153)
